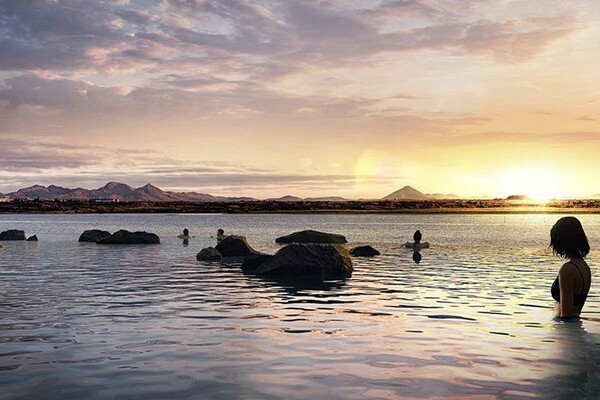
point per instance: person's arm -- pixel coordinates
(566, 280)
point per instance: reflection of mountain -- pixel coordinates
(410, 193)
(116, 191)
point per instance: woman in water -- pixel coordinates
(417, 245)
(572, 285)
(185, 235)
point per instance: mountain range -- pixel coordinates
(115, 191)
(123, 192)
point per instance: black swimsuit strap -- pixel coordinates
(583, 291)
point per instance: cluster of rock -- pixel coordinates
(120, 237)
(15, 234)
(308, 254)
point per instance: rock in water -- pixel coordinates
(126, 237)
(308, 260)
(93, 235)
(209, 254)
(12, 234)
(33, 238)
(364, 251)
(253, 261)
(310, 236)
(234, 246)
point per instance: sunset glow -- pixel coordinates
(536, 183)
(265, 98)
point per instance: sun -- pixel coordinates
(537, 183)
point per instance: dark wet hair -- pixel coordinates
(220, 231)
(186, 231)
(417, 236)
(568, 240)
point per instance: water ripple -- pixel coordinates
(87, 321)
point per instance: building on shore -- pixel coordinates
(106, 200)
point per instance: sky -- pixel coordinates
(305, 97)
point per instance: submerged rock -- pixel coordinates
(308, 260)
(253, 261)
(12, 234)
(209, 254)
(234, 246)
(310, 236)
(126, 237)
(364, 251)
(33, 238)
(93, 235)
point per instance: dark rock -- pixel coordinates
(234, 246)
(253, 261)
(301, 260)
(310, 236)
(126, 237)
(209, 254)
(33, 238)
(12, 234)
(93, 235)
(364, 251)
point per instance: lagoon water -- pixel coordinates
(472, 320)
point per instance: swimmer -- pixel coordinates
(220, 235)
(185, 235)
(417, 245)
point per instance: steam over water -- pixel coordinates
(472, 320)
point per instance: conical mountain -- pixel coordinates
(407, 193)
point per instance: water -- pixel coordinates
(472, 320)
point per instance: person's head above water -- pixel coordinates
(186, 232)
(220, 231)
(417, 236)
(568, 240)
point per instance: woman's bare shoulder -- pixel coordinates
(568, 269)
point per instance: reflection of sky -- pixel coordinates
(448, 97)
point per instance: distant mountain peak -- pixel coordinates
(407, 193)
(287, 197)
(410, 193)
(113, 185)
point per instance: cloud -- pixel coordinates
(70, 35)
(28, 162)
(36, 156)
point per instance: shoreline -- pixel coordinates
(305, 207)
